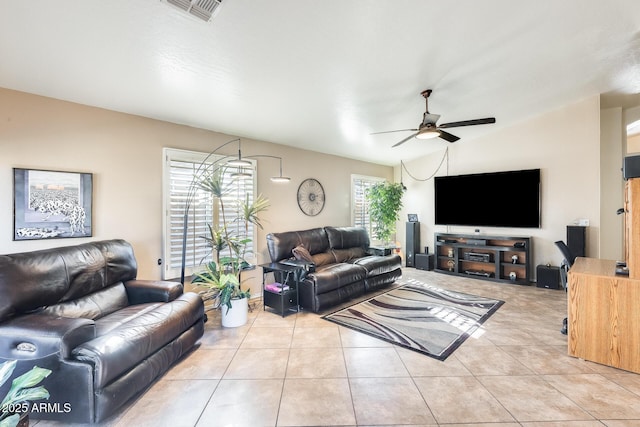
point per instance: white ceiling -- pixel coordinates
(323, 75)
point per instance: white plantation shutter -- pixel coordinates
(200, 214)
(239, 191)
(180, 168)
(359, 204)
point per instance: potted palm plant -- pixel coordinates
(15, 406)
(220, 281)
(385, 201)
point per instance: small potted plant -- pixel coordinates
(14, 408)
(223, 288)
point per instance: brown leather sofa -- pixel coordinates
(106, 336)
(344, 267)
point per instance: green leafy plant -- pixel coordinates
(385, 201)
(250, 214)
(251, 211)
(220, 287)
(216, 241)
(220, 280)
(23, 390)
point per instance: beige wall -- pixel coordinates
(632, 115)
(564, 144)
(633, 144)
(124, 153)
(612, 183)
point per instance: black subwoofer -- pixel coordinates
(548, 276)
(424, 261)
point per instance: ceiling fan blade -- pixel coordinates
(447, 136)
(404, 140)
(391, 131)
(468, 123)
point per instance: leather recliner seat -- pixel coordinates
(344, 267)
(106, 336)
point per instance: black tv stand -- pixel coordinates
(497, 258)
(478, 273)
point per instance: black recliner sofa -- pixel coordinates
(344, 266)
(80, 312)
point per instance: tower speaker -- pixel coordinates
(413, 243)
(577, 239)
(631, 167)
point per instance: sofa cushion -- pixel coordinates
(92, 306)
(29, 281)
(34, 280)
(347, 237)
(125, 387)
(280, 245)
(119, 259)
(129, 342)
(376, 265)
(346, 255)
(123, 316)
(323, 258)
(96, 265)
(334, 276)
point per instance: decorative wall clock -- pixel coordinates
(311, 197)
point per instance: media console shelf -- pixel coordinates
(497, 258)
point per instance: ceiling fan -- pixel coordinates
(428, 128)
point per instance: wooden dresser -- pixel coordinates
(604, 315)
(604, 307)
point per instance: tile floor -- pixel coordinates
(304, 371)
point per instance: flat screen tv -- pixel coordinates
(497, 199)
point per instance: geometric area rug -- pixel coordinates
(423, 318)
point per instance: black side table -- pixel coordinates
(281, 293)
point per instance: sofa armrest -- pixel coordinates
(34, 336)
(143, 291)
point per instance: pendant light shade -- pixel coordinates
(240, 162)
(241, 174)
(280, 178)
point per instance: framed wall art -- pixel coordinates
(51, 204)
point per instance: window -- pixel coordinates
(359, 204)
(180, 167)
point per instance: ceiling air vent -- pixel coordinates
(202, 9)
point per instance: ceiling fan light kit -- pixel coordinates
(428, 128)
(428, 134)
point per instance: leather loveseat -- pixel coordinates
(344, 268)
(106, 336)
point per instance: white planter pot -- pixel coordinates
(237, 314)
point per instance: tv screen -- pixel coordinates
(498, 199)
